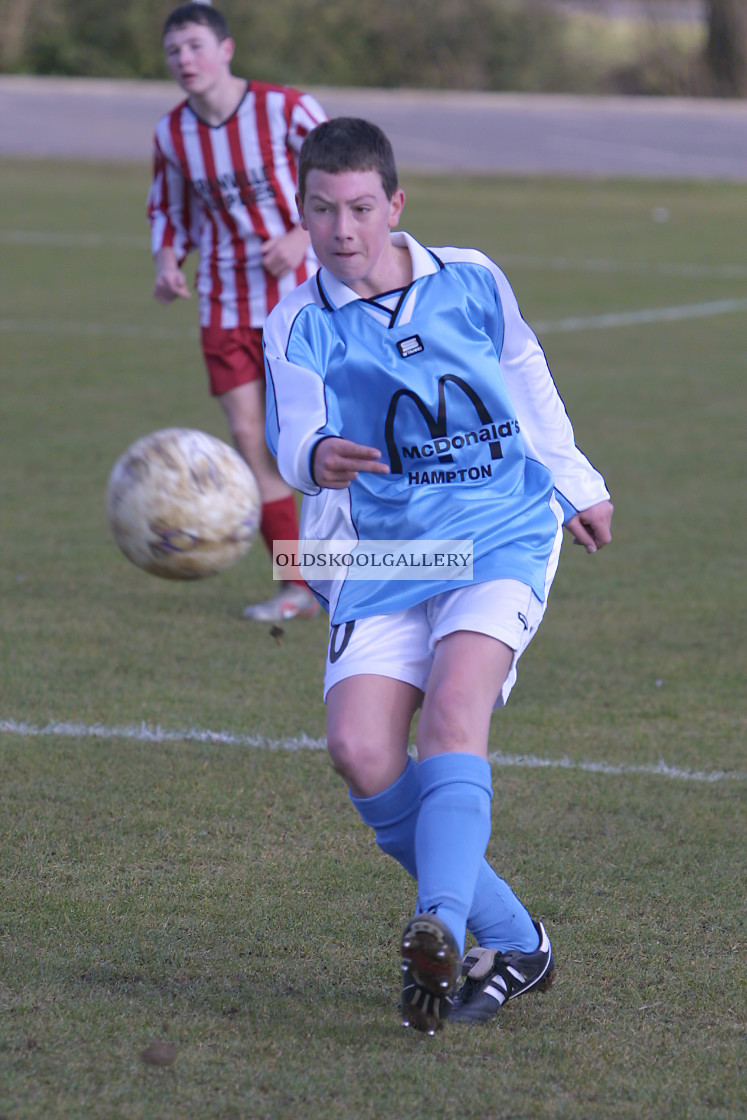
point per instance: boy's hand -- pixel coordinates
(285, 253)
(337, 462)
(591, 527)
(170, 284)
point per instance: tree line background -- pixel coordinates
(521, 45)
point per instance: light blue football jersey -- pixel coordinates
(447, 380)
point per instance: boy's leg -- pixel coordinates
(235, 365)
(376, 671)
(363, 710)
(497, 919)
(368, 725)
(244, 407)
(509, 614)
(451, 835)
(453, 825)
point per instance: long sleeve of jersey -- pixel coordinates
(545, 425)
(296, 360)
(171, 208)
(297, 393)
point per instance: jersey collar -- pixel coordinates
(337, 294)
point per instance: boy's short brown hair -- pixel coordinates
(348, 144)
(204, 14)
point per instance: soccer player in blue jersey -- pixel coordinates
(409, 400)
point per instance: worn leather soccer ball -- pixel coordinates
(182, 504)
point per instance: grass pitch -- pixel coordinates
(219, 893)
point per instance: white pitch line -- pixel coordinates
(660, 769)
(143, 733)
(636, 318)
(93, 330)
(612, 267)
(48, 239)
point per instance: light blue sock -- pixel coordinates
(497, 919)
(393, 814)
(451, 835)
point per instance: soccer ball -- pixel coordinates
(182, 504)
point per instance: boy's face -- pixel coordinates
(196, 58)
(349, 217)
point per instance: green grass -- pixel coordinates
(226, 897)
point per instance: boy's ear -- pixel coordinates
(299, 204)
(396, 207)
(229, 48)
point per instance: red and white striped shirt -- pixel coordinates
(225, 190)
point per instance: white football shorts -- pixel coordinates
(401, 645)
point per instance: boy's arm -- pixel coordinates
(171, 212)
(546, 428)
(286, 252)
(297, 413)
(301, 431)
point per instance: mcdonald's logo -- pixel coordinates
(441, 445)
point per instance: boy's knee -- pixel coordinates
(448, 712)
(362, 763)
(246, 430)
(349, 752)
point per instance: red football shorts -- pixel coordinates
(233, 357)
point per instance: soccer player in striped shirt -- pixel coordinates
(407, 399)
(224, 184)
